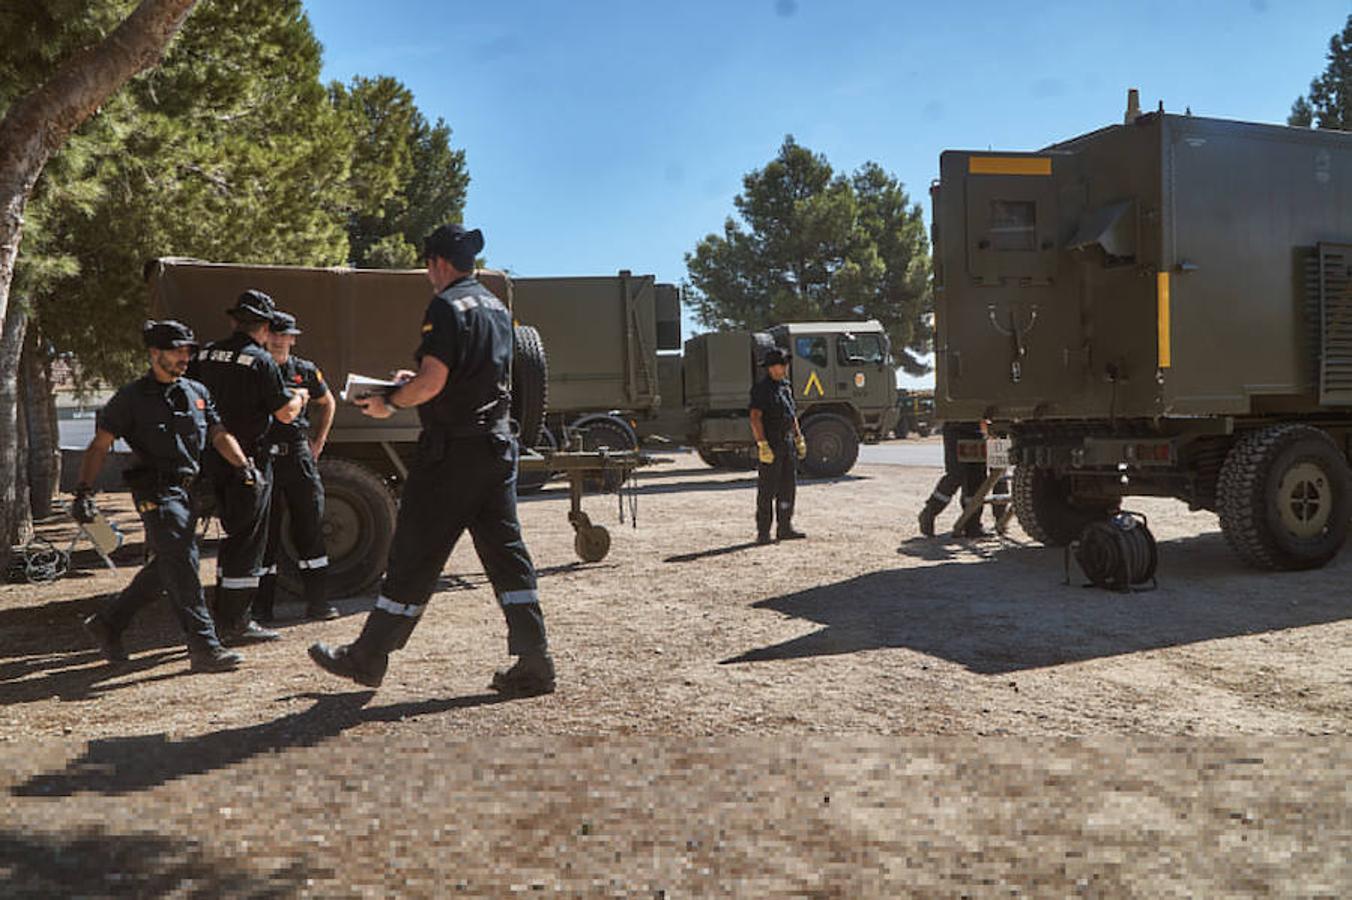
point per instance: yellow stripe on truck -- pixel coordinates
(1165, 338)
(1009, 165)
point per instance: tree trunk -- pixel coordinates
(21, 520)
(44, 444)
(11, 514)
(33, 128)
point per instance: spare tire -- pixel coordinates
(530, 385)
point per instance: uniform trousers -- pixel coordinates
(297, 493)
(171, 537)
(243, 511)
(457, 484)
(777, 487)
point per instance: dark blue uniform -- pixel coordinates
(464, 478)
(297, 489)
(776, 482)
(166, 426)
(248, 388)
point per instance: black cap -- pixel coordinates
(455, 245)
(283, 323)
(166, 334)
(252, 306)
(775, 357)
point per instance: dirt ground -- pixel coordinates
(865, 713)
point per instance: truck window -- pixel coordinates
(812, 349)
(1013, 225)
(860, 349)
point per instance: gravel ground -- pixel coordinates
(865, 713)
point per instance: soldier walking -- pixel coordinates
(167, 420)
(464, 477)
(296, 486)
(779, 444)
(249, 394)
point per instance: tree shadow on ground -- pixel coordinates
(93, 862)
(129, 764)
(1008, 609)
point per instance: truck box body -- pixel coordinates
(600, 333)
(1169, 268)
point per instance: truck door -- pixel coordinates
(861, 370)
(812, 377)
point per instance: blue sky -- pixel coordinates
(603, 135)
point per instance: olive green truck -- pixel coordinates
(1162, 307)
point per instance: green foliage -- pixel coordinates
(406, 178)
(818, 245)
(230, 150)
(1329, 103)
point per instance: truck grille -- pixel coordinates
(1332, 283)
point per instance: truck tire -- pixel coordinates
(605, 432)
(1046, 509)
(709, 458)
(530, 384)
(359, 515)
(832, 446)
(1284, 498)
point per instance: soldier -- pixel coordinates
(249, 393)
(464, 477)
(774, 424)
(295, 479)
(168, 420)
(967, 476)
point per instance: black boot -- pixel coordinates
(348, 661)
(233, 622)
(927, 517)
(787, 532)
(317, 606)
(214, 659)
(264, 604)
(531, 675)
(763, 537)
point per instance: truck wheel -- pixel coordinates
(1285, 497)
(832, 446)
(359, 514)
(605, 433)
(530, 384)
(1047, 510)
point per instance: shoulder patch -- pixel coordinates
(200, 404)
(244, 359)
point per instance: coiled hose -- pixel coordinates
(1117, 553)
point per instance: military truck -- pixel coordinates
(1161, 307)
(843, 380)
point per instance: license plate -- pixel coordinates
(997, 453)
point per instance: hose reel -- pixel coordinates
(1117, 553)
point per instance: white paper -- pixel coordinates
(359, 387)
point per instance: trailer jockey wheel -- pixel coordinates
(592, 543)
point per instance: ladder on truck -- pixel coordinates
(997, 468)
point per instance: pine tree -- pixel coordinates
(1329, 103)
(812, 244)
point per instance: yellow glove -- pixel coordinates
(764, 453)
(801, 445)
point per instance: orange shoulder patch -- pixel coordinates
(201, 404)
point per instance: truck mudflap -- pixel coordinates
(591, 542)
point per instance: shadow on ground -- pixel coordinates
(93, 862)
(130, 764)
(1006, 608)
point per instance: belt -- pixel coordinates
(286, 449)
